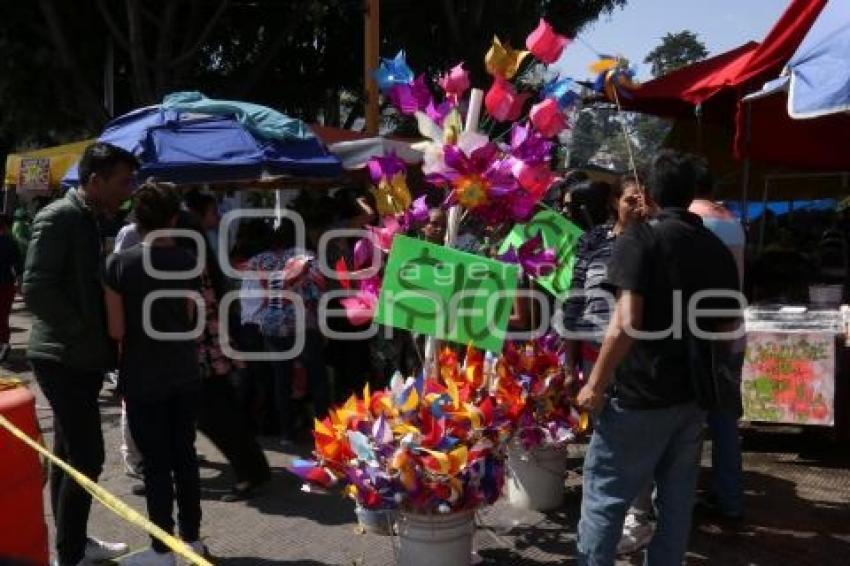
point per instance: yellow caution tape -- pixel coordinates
(108, 500)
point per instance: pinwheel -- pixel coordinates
(536, 393)
(502, 61)
(411, 98)
(532, 257)
(455, 82)
(545, 44)
(389, 180)
(547, 118)
(562, 91)
(614, 77)
(503, 102)
(393, 72)
(426, 445)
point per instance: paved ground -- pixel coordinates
(798, 501)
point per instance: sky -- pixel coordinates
(638, 28)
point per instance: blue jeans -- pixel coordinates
(629, 449)
(727, 481)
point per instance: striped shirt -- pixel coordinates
(587, 310)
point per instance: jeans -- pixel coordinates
(78, 440)
(629, 449)
(727, 479)
(164, 431)
(317, 377)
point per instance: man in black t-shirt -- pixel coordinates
(649, 425)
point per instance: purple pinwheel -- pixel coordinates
(385, 167)
(411, 98)
(532, 257)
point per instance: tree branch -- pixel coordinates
(164, 47)
(144, 93)
(92, 105)
(454, 25)
(120, 38)
(185, 56)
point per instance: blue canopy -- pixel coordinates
(820, 69)
(186, 147)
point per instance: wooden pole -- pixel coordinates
(372, 53)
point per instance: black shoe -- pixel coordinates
(243, 492)
(138, 489)
(707, 511)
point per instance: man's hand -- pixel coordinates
(590, 400)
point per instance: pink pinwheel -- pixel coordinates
(484, 183)
(535, 178)
(455, 82)
(382, 236)
(410, 98)
(503, 102)
(547, 118)
(471, 177)
(360, 308)
(545, 44)
(532, 257)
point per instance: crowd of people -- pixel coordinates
(139, 315)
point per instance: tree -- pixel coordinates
(300, 56)
(676, 50)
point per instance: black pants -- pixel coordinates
(164, 431)
(313, 359)
(78, 440)
(255, 383)
(222, 422)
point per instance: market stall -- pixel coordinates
(39, 172)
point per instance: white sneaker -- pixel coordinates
(150, 557)
(637, 532)
(99, 550)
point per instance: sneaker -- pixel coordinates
(99, 550)
(199, 548)
(150, 557)
(4, 352)
(637, 532)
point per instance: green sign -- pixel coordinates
(559, 234)
(446, 293)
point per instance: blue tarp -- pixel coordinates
(820, 69)
(184, 147)
(779, 208)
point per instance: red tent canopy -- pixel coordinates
(719, 82)
(676, 94)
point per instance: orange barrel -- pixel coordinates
(23, 532)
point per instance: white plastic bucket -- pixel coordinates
(536, 477)
(376, 521)
(435, 540)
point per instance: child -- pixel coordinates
(159, 375)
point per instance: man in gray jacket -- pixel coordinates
(69, 346)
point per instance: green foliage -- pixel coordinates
(676, 50)
(304, 57)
